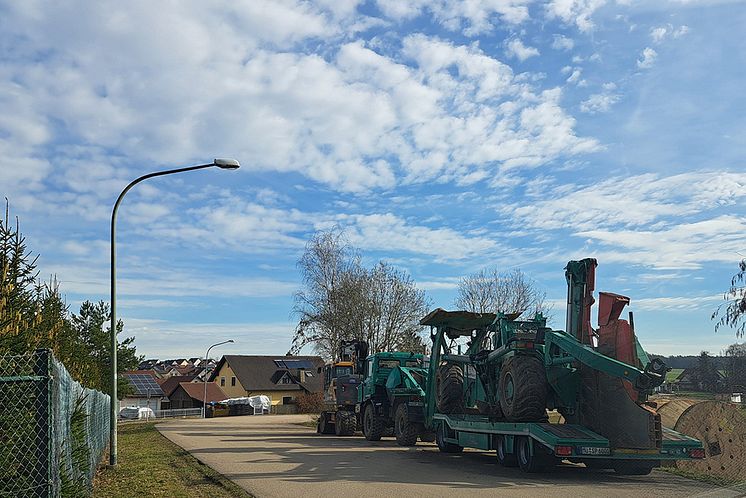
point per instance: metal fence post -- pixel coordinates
(43, 426)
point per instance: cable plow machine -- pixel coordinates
(497, 393)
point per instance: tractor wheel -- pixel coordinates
(404, 430)
(538, 462)
(372, 425)
(503, 457)
(324, 426)
(450, 389)
(443, 445)
(523, 389)
(632, 468)
(345, 424)
(427, 437)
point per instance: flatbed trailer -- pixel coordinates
(548, 443)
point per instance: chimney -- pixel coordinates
(302, 376)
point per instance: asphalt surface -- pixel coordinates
(275, 456)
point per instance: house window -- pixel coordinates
(233, 382)
(222, 381)
(286, 400)
(286, 380)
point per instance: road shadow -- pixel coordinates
(299, 455)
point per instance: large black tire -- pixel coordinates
(503, 457)
(540, 461)
(325, 426)
(404, 430)
(450, 389)
(427, 437)
(345, 424)
(633, 468)
(373, 426)
(443, 445)
(523, 389)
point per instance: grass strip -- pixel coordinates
(151, 465)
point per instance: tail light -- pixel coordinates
(697, 453)
(563, 450)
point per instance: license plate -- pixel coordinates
(594, 450)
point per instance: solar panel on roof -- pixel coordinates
(144, 385)
(294, 364)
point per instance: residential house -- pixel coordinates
(281, 378)
(687, 380)
(190, 395)
(169, 385)
(147, 392)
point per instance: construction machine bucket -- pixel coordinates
(607, 408)
(609, 405)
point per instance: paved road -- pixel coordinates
(274, 456)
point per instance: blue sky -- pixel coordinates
(443, 136)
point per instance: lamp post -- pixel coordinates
(204, 379)
(220, 163)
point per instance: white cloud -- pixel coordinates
(599, 102)
(660, 33)
(576, 12)
(354, 119)
(472, 17)
(515, 48)
(665, 222)
(648, 57)
(575, 76)
(561, 42)
(388, 232)
(166, 339)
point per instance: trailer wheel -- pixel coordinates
(345, 424)
(538, 462)
(372, 425)
(523, 389)
(503, 457)
(404, 430)
(632, 468)
(443, 445)
(450, 389)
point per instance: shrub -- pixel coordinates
(310, 402)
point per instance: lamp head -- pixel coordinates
(226, 163)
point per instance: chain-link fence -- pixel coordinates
(53, 431)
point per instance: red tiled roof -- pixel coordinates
(196, 391)
(170, 384)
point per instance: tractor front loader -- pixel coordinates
(496, 394)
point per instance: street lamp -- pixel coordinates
(204, 378)
(219, 163)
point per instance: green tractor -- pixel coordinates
(391, 398)
(495, 394)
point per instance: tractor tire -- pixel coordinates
(443, 445)
(450, 389)
(324, 426)
(345, 424)
(632, 468)
(404, 430)
(427, 437)
(503, 457)
(373, 426)
(523, 390)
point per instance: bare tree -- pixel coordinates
(732, 314)
(342, 300)
(395, 308)
(490, 291)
